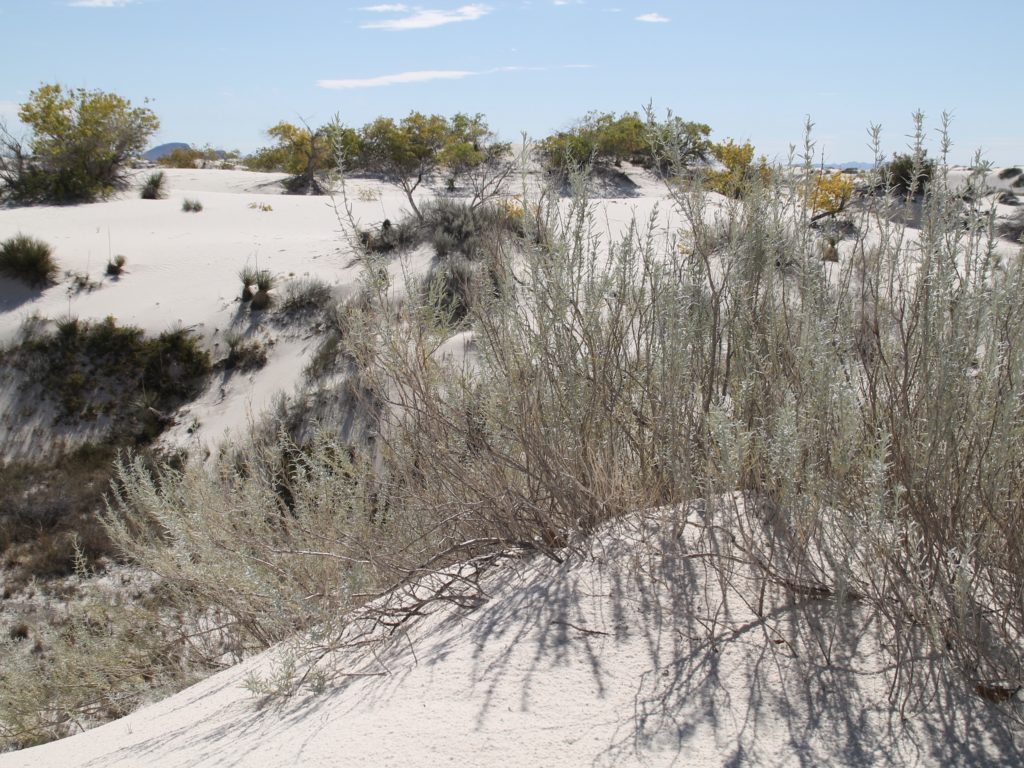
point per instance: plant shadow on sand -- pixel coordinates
(14, 293)
(640, 652)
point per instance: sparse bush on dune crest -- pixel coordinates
(848, 431)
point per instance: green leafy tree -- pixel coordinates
(409, 152)
(306, 153)
(603, 140)
(80, 145)
(190, 157)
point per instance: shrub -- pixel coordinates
(850, 439)
(406, 234)
(80, 145)
(908, 174)
(830, 194)
(407, 152)
(453, 288)
(190, 157)
(116, 266)
(155, 186)
(603, 140)
(1009, 173)
(28, 259)
(456, 226)
(248, 277)
(739, 174)
(191, 206)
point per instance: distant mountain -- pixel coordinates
(156, 153)
(855, 164)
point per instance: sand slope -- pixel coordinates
(612, 659)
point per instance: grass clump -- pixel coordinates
(306, 294)
(1009, 173)
(29, 260)
(116, 266)
(243, 355)
(191, 206)
(155, 187)
(392, 237)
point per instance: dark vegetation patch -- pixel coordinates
(48, 514)
(100, 370)
(1013, 228)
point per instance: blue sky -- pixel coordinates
(222, 71)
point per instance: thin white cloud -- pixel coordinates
(401, 77)
(421, 18)
(424, 76)
(386, 8)
(100, 3)
(651, 18)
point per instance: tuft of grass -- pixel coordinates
(155, 187)
(29, 260)
(1009, 173)
(265, 280)
(116, 266)
(243, 355)
(248, 276)
(306, 294)
(191, 206)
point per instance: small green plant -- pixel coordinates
(248, 275)
(116, 266)
(191, 206)
(28, 259)
(155, 186)
(265, 207)
(243, 355)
